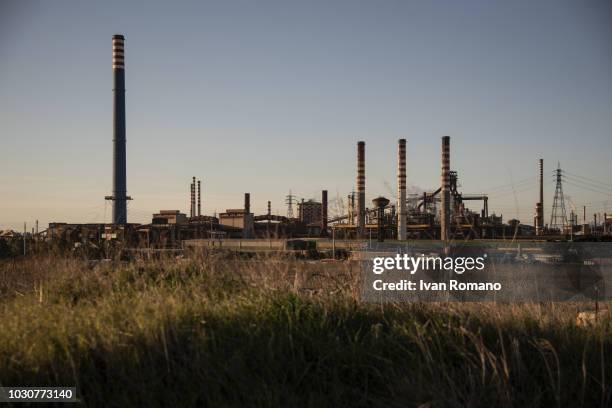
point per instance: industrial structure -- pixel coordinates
(440, 214)
(119, 196)
(401, 190)
(558, 217)
(539, 211)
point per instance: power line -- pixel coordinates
(582, 186)
(588, 179)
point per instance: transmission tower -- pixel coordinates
(558, 218)
(289, 200)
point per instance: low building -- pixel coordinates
(238, 218)
(169, 217)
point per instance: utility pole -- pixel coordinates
(24, 238)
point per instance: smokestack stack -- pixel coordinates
(193, 197)
(191, 200)
(247, 226)
(401, 190)
(247, 203)
(199, 198)
(361, 189)
(324, 213)
(119, 196)
(445, 192)
(540, 215)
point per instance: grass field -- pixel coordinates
(215, 331)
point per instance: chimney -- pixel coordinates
(247, 227)
(247, 203)
(324, 213)
(401, 190)
(119, 196)
(361, 210)
(445, 191)
(193, 197)
(540, 207)
(199, 198)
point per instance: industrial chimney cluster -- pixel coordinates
(195, 198)
(440, 214)
(401, 214)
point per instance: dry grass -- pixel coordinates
(216, 331)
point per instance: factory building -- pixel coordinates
(169, 217)
(236, 218)
(310, 212)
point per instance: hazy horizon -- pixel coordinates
(267, 97)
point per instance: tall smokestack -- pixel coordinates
(324, 213)
(540, 215)
(119, 196)
(401, 189)
(193, 197)
(445, 192)
(199, 197)
(191, 200)
(361, 189)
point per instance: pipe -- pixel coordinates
(119, 196)
(445, 190)
(361, 211)
(401, 187)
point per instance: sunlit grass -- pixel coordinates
(264, 332)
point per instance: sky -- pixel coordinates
(271, 96)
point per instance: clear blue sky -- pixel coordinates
(266, 96)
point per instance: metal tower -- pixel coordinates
(289, 200)
(558, 218)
